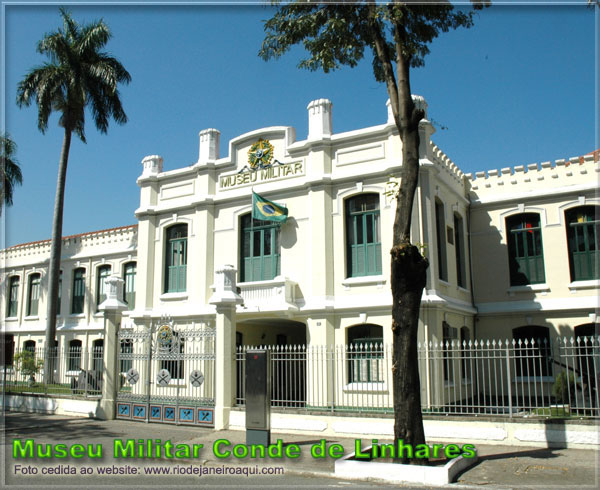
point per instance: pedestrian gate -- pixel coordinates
(167, 373)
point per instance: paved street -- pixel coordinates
(498, 467)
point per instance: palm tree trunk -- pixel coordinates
(54, 266)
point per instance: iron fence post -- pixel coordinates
(509, 381)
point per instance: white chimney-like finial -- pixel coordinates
(153, 165)
(209, 145)
(319, 119)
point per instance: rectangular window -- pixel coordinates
(259, 249)
(103, 274)
(525, 253)
(33, 297)
(129, 290)
(78, 291)
(74, 361)
(176, 260)
(449, 335)
(13, 297)
(459, 249)
(583, 234)
(365, 354)
(440, 223)
(363, 241)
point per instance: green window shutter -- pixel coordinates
(78, 291)
(583, 237)
(525, 250)
(130, 270)
(13, 299)
(176, 259)
(363, 243)
(103, 274)
(259, 250)
(33, 295)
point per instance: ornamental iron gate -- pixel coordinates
(167, 373)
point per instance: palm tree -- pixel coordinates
(78, 75)
(10, 173)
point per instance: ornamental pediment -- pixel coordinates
(261, 156)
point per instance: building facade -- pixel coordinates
(513, 253)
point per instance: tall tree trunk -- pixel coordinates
(408, 280)
(408, 276)
(55, 253)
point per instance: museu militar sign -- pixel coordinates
(261, 168)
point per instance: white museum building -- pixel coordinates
(514, 254)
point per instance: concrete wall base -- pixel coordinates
(581, 434)
(51, 405)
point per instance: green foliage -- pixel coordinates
(338, 34)
(564, 388)
(78, 75)
(27, 364)
(10, 172)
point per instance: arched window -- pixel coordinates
(97, 356)
(259, 249)
(74, 361)
(459, 251)
(440, 227)
(533, 352)
(365, 353)
(176, 259)
(33, 294)
(525, 252)
(103, 275)
(29, 346)
(78, 298)
(583, 236)
(13, 296)
(363, 236)
(129, 271)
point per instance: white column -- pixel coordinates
(113, 308)
(225, 298)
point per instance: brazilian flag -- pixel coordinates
(265, 210)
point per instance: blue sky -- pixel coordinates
(517, 88)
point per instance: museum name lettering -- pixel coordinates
(261, 175)
(223, 448)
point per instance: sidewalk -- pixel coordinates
(498, 466)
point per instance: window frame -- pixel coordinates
(365, 355)
(13, 299)
(102, 274)
(440, 229)
(526, 354)
(34, 284)
(176, 245)
(522, 238)
(362, 225)
(74, 359)
(129, 275)
(589, 255)
(78, 282)
(259, 266)
(459, 251)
